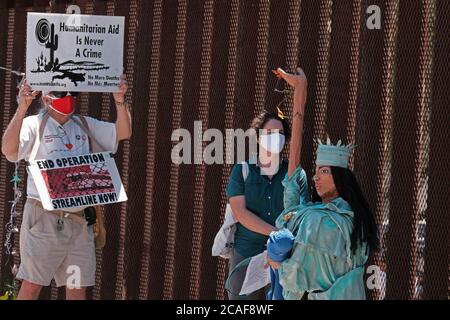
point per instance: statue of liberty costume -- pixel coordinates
(319, 262)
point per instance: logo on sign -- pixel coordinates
(48, 38)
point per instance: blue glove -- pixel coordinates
(279, 246)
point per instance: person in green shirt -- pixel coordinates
(258, 201)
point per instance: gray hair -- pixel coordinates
(43, 107)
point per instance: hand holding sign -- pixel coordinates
(119, 96)
(26, 96)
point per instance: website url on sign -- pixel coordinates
(52, 84)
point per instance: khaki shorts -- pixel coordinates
(68, 255)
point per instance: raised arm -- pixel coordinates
(123, 122)
(11, 136)
(299, 82)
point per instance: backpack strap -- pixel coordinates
(39, 136)
(245, 170)
(83, 124)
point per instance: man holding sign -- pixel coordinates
(60, 243)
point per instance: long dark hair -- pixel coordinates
(364, 226)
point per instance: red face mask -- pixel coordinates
(64, 105)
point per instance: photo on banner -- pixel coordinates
(77, 181)
(68, 52)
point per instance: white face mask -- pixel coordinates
(273, 142)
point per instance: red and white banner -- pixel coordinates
(78, 181)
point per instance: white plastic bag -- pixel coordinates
(224, 240)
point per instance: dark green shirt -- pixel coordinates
(264, 198)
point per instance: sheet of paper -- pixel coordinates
(256, 276)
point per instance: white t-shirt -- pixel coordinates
(62, 141)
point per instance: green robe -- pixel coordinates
(321, 259)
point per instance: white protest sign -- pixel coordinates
(73, 182)
(256, 276)
(73, 52)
